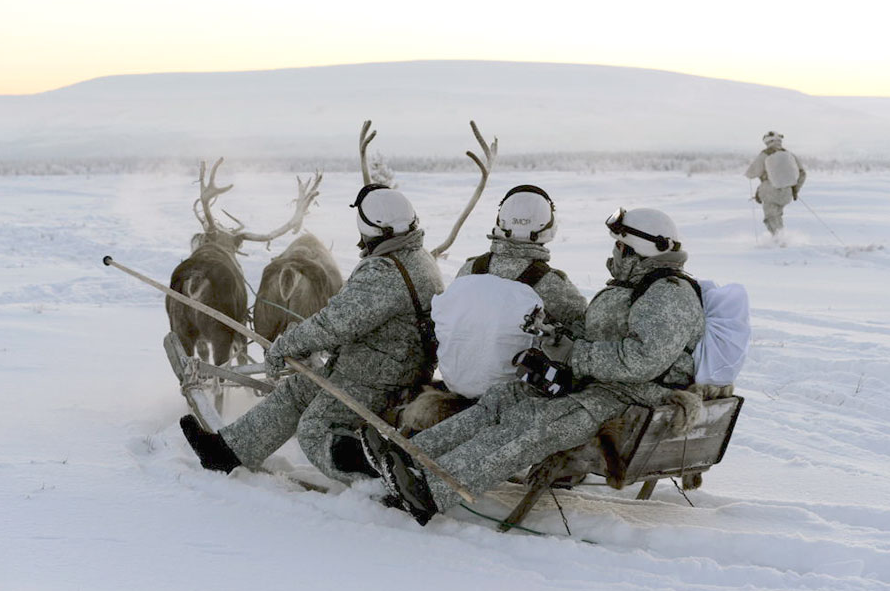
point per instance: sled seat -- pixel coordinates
(649, 449)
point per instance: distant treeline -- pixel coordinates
(587, 162)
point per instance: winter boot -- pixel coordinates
(211, 449)
(400, 476)
(348, 455)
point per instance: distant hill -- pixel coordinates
(423, 109)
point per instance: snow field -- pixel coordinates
(99, 490)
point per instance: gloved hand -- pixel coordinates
(274, 357)
(274, 360)
(794, 193)
(757, 198)
(558, 348)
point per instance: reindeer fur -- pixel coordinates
(301, 279)
(211, 276)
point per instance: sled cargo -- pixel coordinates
(652, 452)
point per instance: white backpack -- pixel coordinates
(720, 354)
(478, 320)
(782, 169)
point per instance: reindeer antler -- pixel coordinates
(491, 153)
(363, 140)
(308, 191)
(209, 193)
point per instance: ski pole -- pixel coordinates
(753, 212)
(385, 428)
(822, 222)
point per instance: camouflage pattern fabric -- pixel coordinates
(369, 327)
(623, 350)
(562, 300)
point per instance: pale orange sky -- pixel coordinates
(817, 48)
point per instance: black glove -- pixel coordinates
(794, 191)
(551, 378)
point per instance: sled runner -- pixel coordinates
(648, 448)
(194, 373)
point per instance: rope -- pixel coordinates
(273, 304)
(823, 223)
(519, 527)
(562, 514)
(681, 491)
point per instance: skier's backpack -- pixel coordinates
(782, 169)
(477, 320)
(720, 354)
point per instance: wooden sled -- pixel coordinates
(193, 375)
(649, 450)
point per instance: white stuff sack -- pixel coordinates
(721, 353)
(782, 169)
(478, 320)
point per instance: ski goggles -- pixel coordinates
(616, 225)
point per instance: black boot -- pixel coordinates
(347, 455)
(400, 476)
(211, 449)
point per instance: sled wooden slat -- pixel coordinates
(660, 454)
(652, 452)
(176, 354)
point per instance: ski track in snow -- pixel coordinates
(99, 490)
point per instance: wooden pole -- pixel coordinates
(385, 428)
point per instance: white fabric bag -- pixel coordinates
(782, 169)
(720, 354)
(478, 320)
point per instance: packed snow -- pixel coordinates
(99, 490)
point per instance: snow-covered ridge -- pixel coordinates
(423, 109)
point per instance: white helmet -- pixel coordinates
(648, 231)
(772, 136)
(383, 212)
(525, 214)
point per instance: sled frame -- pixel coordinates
(651, 452)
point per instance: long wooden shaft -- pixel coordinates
(385, 428)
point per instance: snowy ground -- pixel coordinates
(98, 489)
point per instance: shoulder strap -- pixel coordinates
(481, 263)
(418, 309)
(533, 273)
(424, 323)
(651, 277)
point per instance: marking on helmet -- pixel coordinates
(522, 221)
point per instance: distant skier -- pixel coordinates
(781, 177)
(636, 348)
(371, 329)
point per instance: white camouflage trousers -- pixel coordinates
(298, 406)
(509, 429)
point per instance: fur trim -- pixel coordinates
(689, 412)
(430, 407)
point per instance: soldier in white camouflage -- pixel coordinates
(526, 221)
(636, 347)
(773, 198)
(371, 330)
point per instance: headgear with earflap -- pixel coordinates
(383, 212)
(526, 214)
(772, 136)
(648, 231)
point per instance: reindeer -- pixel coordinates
(211, 275)
(300, 281)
